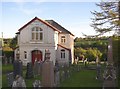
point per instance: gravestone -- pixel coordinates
(47, 71)
(85, 62)
(48, 74)
(110, 72)
(65, 74)
(40, 67)
(10, 60)
(57, 78)
(10, 79)
(17, 67)
(36, 66)
(98, 69)
(62, 77)
(68, 73)
(29, 73)
(19, 83)
(110, 54)
(36, 84)
(56, 74)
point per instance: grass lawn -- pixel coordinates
(84, 78)
(9, 68)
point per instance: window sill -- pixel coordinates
(36, 42)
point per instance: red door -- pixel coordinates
(36, 55)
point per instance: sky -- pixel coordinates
(74, 16)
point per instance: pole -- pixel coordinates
(119, 10)
(119, 15)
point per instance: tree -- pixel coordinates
(108, 19)
(13, 43)
(79, 52)
(92, 54)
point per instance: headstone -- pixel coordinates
(68, 73)
(57, 78)
(6, 60)
(40, 67)
(110, 54)
(57, 74)
(98, 69)
(97, 60)
(10, 59)
(29, 73)
(78, 68)
(17, 67)
(10, 79)
(48, 74)
(85, 62)
(110, 72)
(62, 76)
(65, 74)
(37, 84)
(36, 66)
(19, 83)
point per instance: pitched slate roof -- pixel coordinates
(51, 23)
(36, 18)
(58, 26)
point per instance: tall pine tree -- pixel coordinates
(108, 19)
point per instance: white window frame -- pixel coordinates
(63, 39)
(25, 54)
(62, 54)
(36, 34)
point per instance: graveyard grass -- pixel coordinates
(83, 78)
(9, 68)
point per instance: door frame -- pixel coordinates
(38, 54)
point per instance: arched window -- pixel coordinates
(25, 54)
(37, 34)
(62, 53)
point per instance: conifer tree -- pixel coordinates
(108, 19)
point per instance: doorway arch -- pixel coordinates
(36, 55)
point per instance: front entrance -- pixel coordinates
(36, 55)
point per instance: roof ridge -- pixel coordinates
(59, 26)
(36, 18)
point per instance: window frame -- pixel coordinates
(25, 54)
(62, 54)
(63, 39)
(37, 34)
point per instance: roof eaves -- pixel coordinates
(55, 29)
(52, 22)
(63, 47)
